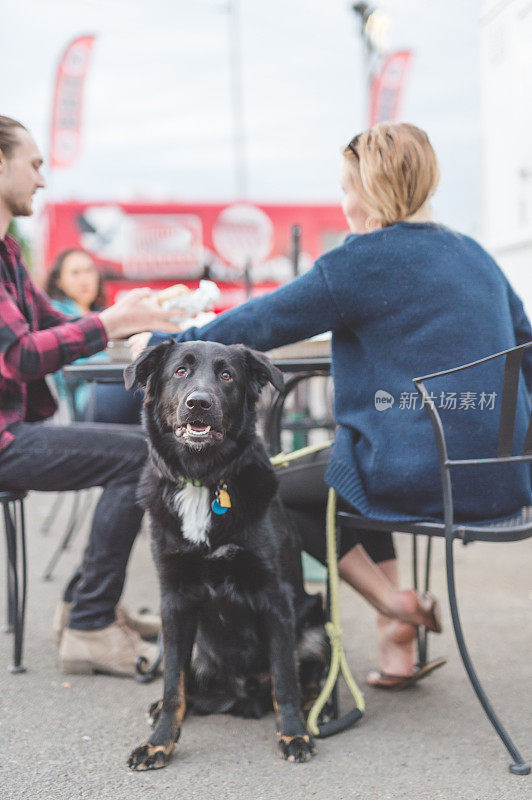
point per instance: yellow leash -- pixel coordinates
(333, 627)
(284, 459)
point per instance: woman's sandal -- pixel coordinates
(386, 680)
(397, 682)
(435, 625)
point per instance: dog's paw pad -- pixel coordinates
(149, 756)
(298, 748)
(154, 712)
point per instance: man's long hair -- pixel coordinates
(8, 137)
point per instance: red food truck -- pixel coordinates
(247, 249)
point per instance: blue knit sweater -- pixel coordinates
(407, 300)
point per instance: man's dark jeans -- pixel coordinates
(60, 458)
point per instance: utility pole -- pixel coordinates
(364, 11)
(374, 28)
(237, 99)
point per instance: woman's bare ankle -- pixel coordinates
(410, 608)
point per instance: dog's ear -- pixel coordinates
(139, 371)
(260, 371)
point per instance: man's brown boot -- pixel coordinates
(60, 620)
(147, 625)
(113, 650)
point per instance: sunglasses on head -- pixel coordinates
(352, 145)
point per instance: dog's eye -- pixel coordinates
(225, 376)
(180, 371)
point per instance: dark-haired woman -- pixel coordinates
(75, 287)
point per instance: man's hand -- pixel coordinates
(138, 343)
(136, 312)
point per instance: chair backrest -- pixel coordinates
(509, 399)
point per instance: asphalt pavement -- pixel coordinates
(68, 737)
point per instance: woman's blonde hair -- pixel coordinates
(393, 169)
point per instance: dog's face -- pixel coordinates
(203, 392)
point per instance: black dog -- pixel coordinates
(235, 614)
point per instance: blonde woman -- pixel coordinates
(403, 296)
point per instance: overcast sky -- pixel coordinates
(158, 122)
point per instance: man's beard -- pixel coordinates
(21, 209)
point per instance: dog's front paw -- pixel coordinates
(150, 756)
(298, 748)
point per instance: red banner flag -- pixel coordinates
(65, 135)
(387, 86)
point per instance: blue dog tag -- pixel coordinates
(217, 508)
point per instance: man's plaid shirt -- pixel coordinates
(35, 340)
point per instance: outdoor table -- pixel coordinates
(301, 360)
(114, 371)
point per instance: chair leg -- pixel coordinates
(519, 766)
(65, 541)
(424, 654)
(19, 639)
(422, 633)
(15, 529)
(52, 514)
(10, 621)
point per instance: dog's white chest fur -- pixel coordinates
(192, 504)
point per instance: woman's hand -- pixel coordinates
(136, 312)
(138, 343)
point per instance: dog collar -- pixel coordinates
(189, 480)
(222, 501)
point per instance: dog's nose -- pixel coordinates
(198, 400)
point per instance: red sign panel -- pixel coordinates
(65, 134)
(387, 86)
(160, 244)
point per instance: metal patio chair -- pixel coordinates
(515, 529)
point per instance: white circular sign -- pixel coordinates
(66, 144)
(243, 233)
(77, 57)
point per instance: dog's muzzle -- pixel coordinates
(198, 421)
(197, 431)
